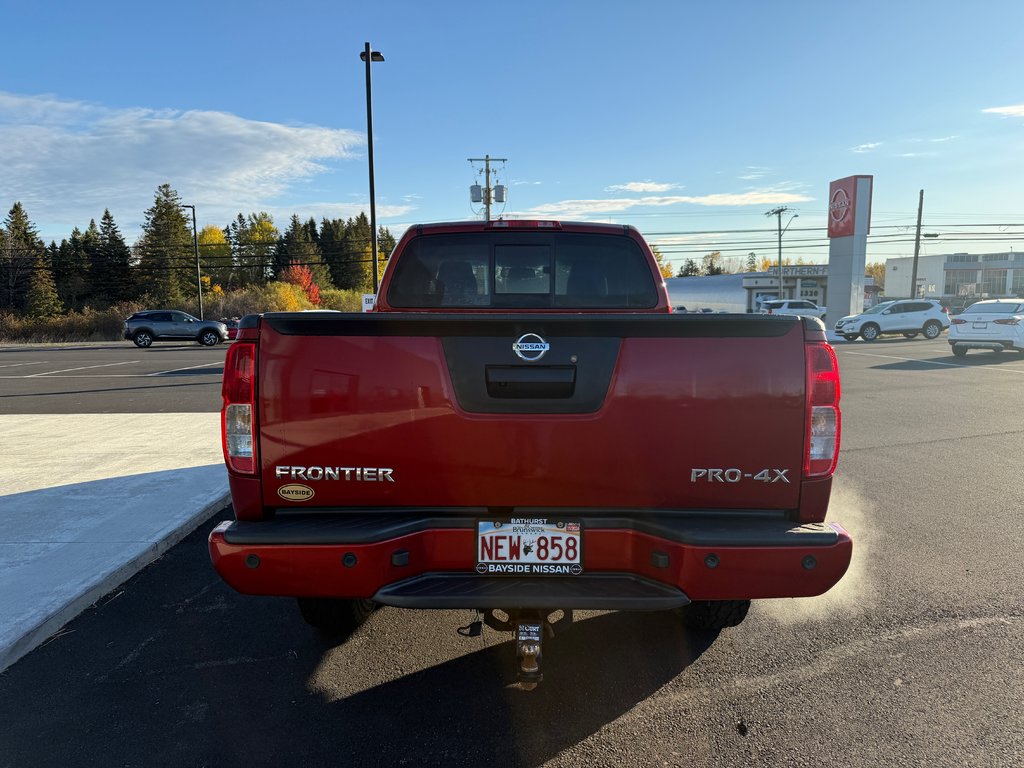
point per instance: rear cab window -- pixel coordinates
(522, 270)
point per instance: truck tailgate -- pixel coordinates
(637, 411)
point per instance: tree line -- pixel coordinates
(96, 268)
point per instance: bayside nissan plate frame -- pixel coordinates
(529, 546)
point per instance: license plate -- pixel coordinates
(981, 325)
(527, 546)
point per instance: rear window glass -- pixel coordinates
(523, 270)
(996, 308)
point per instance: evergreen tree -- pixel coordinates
(332, 244)
(296, 247)
(20, 252)
(751, 262)
(71, 273)
(689, 269)
(41, 299)
(90, 248)
(385, 242)
(355, 259)
(311, 231)
(386, 245)
(166, 254)
(253, 244)
(110, 274)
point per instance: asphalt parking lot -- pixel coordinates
(110, 378)
(916, 658)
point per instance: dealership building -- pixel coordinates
(745, 292)
(979, 275)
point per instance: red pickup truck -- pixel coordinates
(522, 427)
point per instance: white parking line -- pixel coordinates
(95, 376)
(81, 368)
(15, 365)
(1018, 371)
(175, 370)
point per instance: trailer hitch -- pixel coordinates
(529, 626)
(529, 638)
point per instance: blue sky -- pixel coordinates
(688, 120)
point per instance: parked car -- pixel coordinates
(799, 307)
(995, 324)
(909, 317)
(170, 325)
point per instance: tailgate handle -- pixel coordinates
(520, 381)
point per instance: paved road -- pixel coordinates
(110, 378)
(917, 658)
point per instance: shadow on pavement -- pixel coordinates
(972, 360)
(174, 668)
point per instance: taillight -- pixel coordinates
(823, 417)
(957, 321)
(1007, 321)
(237, 425)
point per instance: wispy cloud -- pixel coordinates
(1015, 110)
(520, 182)
(871, 145)
(67, 160)
(587, 208)
(642, 186)
(917, 154)
(754, 172)
(943, 139)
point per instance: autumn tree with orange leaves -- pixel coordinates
(300, 275)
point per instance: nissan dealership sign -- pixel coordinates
(843, 204)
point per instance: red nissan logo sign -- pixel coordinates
(844, 207)
(839, 206)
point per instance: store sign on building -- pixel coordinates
(802, 270)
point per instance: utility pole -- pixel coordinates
(777, 212)
(917, 247)
(487, 192)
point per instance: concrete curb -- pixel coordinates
(106, 582)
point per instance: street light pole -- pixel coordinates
(195, 245)
(370, 56)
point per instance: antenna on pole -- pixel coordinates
(487, 194)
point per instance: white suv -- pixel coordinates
(909, 317)
(799, 307)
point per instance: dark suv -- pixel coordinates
(170, 325)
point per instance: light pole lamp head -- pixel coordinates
(374, 56)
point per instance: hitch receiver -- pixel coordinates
(529, 636)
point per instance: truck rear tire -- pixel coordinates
(714, 614)
(333, 615)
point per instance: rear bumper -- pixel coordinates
(651, 562)
(967, 343)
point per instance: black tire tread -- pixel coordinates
(335, 616)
